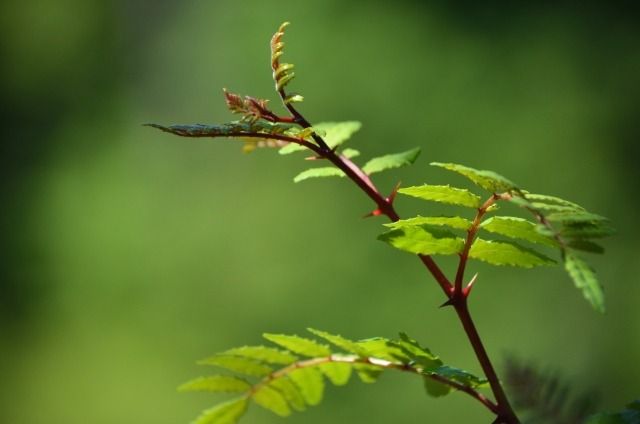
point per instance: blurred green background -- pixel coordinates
(128, 254)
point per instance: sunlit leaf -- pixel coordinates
(379, 347)
(499, 252)
(455, 222)
(239, 364)
(368, 373)
(424, 239)
(328, 171)
(290, 391)
(273, 400)
(350, 153)
(391, 161)
(443, 194)
(488, 180)
(264, 354)
(585, 279)
(299, 345)
(310, 382)
(339, 341)
(228, 412)
(338, 132)
(420, 355)
(217, 383)
(517, 228)
(337, 372)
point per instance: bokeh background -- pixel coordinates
(128, 254)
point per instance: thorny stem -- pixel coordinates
(456, 298)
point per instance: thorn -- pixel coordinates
(376, 212)
(467, 289)
(392, 196)
(313, 158)
(449, 302)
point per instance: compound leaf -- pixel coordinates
(455, 222)
(518, 228)
(488, 180)
(424, 239)
(328, 171)
(443, 194)
(310, 382)
(391, 161)
(499, 252)
(239, 364)
(272, 399)
(585, 279)
(217, 383)
(368, 373)
(299, 345)
(228, 412)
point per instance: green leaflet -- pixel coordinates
(455, 222)
(517, 228)
(379, 347)
(420, 355)
(368, 373)
(290, 391)
(498, 252)
(585, 279)
(576, 218)
(543, 199)
(443, 194)
(216, 383)
(239, 364)
(337, 372)
(344, 344)
(228, 412)
(424, 239)
(328, 171)
(299, 345)
(336, 133)
(587, 230)
(272, 400)
(488, 180)
(350, 153)
(585, 246)
(264, 354)
(310, 382)
(460, 376)
(391, 161)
